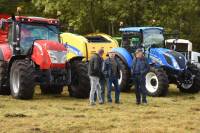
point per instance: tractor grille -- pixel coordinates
(179, 58)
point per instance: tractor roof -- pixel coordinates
(138, 29)
(37, 20)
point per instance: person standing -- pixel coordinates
(140, 68)
(111, 70)
(95, 73)
(102, 82)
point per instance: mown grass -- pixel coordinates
(178, 113)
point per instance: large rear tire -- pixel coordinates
(80, 83)
(4, 82)
(22, 81)
(157, 82)
(125, 76)
(194, 87)
(51, 89)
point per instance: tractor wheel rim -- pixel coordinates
(120, 80)
(151, 82)
(16, 82)
(186, 86)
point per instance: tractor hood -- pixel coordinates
(49, 54)
(168, 58)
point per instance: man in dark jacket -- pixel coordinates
(95, 73)
(111, 70)
(140, 68)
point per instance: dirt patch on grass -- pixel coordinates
(189, 98)
(79, 116)
(69, 108)
(195, 109)
(18, 115)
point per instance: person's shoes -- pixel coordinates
(138, 103)
(109, 101)
(101, 103)
(117, 102)
(145, 103)
(92, 104)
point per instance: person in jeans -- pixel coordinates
(140, 67)
(95, 73)
(111, 70)
(102, 82)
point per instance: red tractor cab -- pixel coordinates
(31, 53)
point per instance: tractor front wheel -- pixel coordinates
(80, 83)
(192, 84)
(157, 82)
(22, 80)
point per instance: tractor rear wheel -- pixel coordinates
(22, 81)
(157, 82)
(194, 86)
(124, 81)
(80, 83)
(4, 83)
(51, 89)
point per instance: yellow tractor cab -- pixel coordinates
(86, 46)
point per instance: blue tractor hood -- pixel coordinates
(167, 58)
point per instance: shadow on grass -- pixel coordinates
(54, 97)
(172, 92)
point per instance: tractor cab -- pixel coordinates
(24, 31)
(142, 37)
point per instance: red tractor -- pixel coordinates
(31, 53)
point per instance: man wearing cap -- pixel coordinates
(95, 73)
(111, 70)
(140, 67)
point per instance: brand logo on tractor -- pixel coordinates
(156, 60)
(74, 50)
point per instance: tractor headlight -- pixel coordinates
(176, 64)
(57, 57)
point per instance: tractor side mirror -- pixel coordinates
(2, 24)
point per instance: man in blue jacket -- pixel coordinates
(140, 68)
(111, 70)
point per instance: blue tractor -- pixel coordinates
(167, 66)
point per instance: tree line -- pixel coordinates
(86, 16)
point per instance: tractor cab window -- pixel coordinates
(153, 37)
(131, 41)
(32, 32)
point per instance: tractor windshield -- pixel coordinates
(32, 32)
(153, 37)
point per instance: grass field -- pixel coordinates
(178, 113)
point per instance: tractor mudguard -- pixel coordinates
(76, 58)
(124, 55)
(49, 54)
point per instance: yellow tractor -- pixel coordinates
(85, 46)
